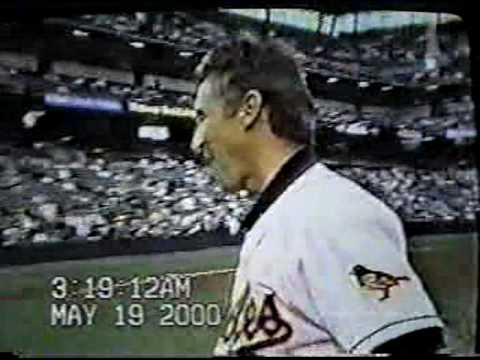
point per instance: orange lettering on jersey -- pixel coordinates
(251, 327)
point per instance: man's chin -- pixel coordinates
(232, 188)
(229, 185)
(226, 183)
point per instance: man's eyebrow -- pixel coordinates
(199, 112)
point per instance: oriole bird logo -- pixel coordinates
(377, 280)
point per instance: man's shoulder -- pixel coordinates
(324, 197)
(321, 188)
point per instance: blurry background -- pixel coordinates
(96, 119)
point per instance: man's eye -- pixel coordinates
(199, 119)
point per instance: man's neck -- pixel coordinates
(276, 159)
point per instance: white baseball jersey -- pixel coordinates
(323, 270)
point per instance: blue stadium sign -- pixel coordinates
(74, 102)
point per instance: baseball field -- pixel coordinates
(447, 263)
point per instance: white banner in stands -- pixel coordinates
(158, 133)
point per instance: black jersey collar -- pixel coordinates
(288, 173)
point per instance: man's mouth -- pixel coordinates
(207, 158)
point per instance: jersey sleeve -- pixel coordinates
(362, 287)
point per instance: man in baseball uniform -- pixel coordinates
(323, 268)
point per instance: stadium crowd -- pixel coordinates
(383, 58)
(419, 194)
(56, 193)
(53, 193)
(387, 49)
(451, 116)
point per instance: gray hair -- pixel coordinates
(269, 66)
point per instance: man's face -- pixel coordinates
(219, 138)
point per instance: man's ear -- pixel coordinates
(250, 109)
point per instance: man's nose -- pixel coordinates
(198, 139)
